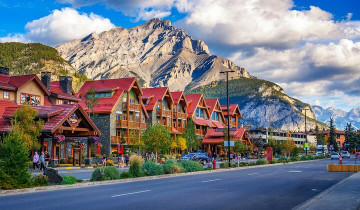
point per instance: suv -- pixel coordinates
(345, 154)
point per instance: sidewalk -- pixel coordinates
(343, 195)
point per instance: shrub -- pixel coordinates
(68, 180)
(111, 173)
(273, 161)
(151, 169)
(40, 180)
(62, 161)
(284, 159)
(242, 164)
(110, 162)
(294, 158)
(224, 165)
(98, 175)
(321, 156)
(172, 167)
(208, 169)
(136, 162)
(251, 164)
(191, 166)
(304, 157)
(125, 175)
(261, 162)
(234, 165)
(310, 157)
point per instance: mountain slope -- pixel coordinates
(155, 52)
(340, 117)
(262, 103)
(33, 58)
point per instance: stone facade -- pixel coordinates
(102, 121)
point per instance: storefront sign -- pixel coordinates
(269, 151)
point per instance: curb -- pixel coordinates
(120, 181)
(72, 167)
(308, 203)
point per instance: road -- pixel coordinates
(276, 187)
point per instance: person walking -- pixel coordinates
(42, 161)
(35, 160)
(47, 159)
(152, 156)
(104, 159)
(122, 160)
(127, 159)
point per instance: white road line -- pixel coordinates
(294, 171)
(130, 193)
(211, 180)
(253, 174)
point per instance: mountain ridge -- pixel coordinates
(341, 117)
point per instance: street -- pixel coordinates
(276, 187)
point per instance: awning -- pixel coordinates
(213, 141)
(218, 124)
(200, 122)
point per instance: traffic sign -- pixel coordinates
(231, 143)
(306, 145)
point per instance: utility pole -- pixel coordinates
(306, 140)
(228, 111)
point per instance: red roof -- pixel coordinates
(193, 101)
(199, 121)
(155, 95)
(218, 124)
(57, 114)
(106, 105)
(176, 96)
(15, 82)
(58, 92)
(232, 108)
(215, 136)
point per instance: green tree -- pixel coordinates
(332, 135)
(192, 140)
(156, 138)
(240, 147)
(27, 126)
(13, 162)
(91, 100)
(275, 145)
(351, 139)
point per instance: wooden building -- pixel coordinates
(234, 115)
(179, 111)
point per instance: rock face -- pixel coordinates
(155, 52)
(340, 117)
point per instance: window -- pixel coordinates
(37, 102)
(197, 112)
(66, 102)
(22, 98)
(132, 100)
(107, 95)
(6, 95)
(60, 102)
(30, 99)
(201, 113)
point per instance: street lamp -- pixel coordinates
(228, 109)
(305, 129)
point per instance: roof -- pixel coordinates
(199, 121)
(58, 92)
(218, 124)
(193, 102)
(233, 108)
(16, 82)
(216, 136)
(156, 94)
(57, 115)
(107, 105)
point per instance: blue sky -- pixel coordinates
(309, 47)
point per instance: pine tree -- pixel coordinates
(192, 140)
(332, 137)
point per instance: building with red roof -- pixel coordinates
(179, 111)
(217, 116)
(118, 110)
(234, 116)
(198, 111)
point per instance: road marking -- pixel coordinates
(130, 193)
(294, 171)
(253, 174)
(211, 180)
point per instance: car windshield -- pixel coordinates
(334, 154)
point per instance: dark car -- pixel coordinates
(187, 157)
(202, 158)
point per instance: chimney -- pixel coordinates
(45, 78)
(4, 70)
(66, 84)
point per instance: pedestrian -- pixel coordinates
(215, 156)
(122, 160)
(146, 157)
(42, 161)
(246, 156)
(35, 160)
(47, 159)
(152, 156)
(104, 159)
(127, 159)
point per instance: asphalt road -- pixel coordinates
(275, 187)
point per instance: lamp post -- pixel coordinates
(228, 110)
(306, 141)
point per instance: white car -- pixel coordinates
(334, 155)
(345, 154)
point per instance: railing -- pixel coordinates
(115, 139)
(132, 106)
(199, 132)
(179, 115)
(163, 112)
(180, 129)
(130, 124)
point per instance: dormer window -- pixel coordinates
(6, 95)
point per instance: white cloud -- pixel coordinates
(62, 26)
(14, 38)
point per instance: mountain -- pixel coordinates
(262, 103)
(159, 54)
(33, 58)
(340, 117)
(155, 52)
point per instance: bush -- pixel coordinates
(304, 157)
(310, 157)
(321, 157)
(261, 162)
(62, 161)
(40, 180)
(208, 169)
(151, 169)
(172, 167)
(243, 164)
(284, 159)
(234, 165)
(111, 173)
(191, 166)
(136, 162)
(68, 180)
(294, 158)
(224, 165)
(110, 162)
(125, 175)
(97, 175)
(273, 161)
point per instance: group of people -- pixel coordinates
(122, 160)
(43, 159)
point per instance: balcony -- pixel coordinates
(117, 139)
(132, 106)
(179, 115)
(180, 129)
(163, 112)
(130, 124)
(199, 132)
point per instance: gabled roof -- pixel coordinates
(193, 102)
(16, 82)
(119, 86)
(233, 108)
(178, 97)
(57, 115)
(216, 136)
(58, 92)
(155, 95)
(214, 104)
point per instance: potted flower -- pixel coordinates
(94, 140)
(60, 138)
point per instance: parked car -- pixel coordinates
(345, 154)
(202, 158)
(334, 155)
(200, 151)
(187, 157)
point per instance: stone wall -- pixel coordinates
(102, 121)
